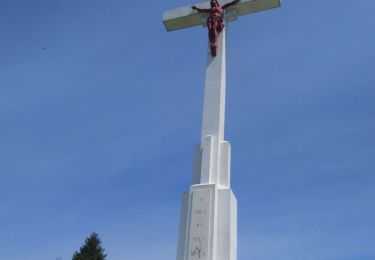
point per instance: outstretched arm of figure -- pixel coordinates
(230, 4)
(200, 9)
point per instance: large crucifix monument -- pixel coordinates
(208, 224)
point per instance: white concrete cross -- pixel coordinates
(214, 101)
(185, 17)
(208, 225)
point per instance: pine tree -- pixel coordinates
(91, 250)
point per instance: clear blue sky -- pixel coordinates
(100, 109)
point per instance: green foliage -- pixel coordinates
(91, 250)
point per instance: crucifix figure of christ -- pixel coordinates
(215, 23)
(208, 223)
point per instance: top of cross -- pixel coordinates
(184, 17)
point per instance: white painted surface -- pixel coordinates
(208, 225)
(199, 235)
(182, 244)
(197, 164)
(209, 209)
(227, 225)
(208, 169)
(225, 162)
(214, 96)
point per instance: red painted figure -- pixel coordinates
(215, 21)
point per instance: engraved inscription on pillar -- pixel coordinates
(199, 227)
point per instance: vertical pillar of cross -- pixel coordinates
(212, 160)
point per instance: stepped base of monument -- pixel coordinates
(208, 224)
